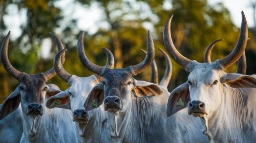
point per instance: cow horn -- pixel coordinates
(154, 71)
(136, 69)
(64, 75)
(168, 70)
(58, 66)
(208, 51)
(240, 46)
(171, 49)
(6, 63)
(87, 63)
(51, 73)
(241, 66)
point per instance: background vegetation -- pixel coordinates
(195, 25)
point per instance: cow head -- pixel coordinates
(118, 84)
(74, 97)
(204, 91)
(31, 91)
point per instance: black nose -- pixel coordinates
(112, 100)
(35, 109)
(80, 113)
(112, 103)
(197, 105)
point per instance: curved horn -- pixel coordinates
(171, 49)
(110, 59)
(51, 73)
(87, 63)
(136, 69)
(64, 75)
(208, 51)
(154, 71)
(58, 64)
(6, 63)
(240, 46)
(168, 71)
(241, 65)
(83, 58)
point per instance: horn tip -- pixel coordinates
(143, 51)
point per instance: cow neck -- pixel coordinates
(32, 128)
(118, 123)
(226, 121)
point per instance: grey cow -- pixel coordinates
(11, 128)
(40, 124)
(224, 101)
(135, 109)
(74, 97)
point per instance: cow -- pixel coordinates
(224, 101)
(11, 132)
(135, 110)
(40, 124)
(74, 97)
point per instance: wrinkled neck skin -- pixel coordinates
(93, 131)
(184, 128)
(47, 128)
(143, 121)
(233, 120)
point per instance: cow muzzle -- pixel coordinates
(34, 110)
(112, 103)
(196, 108)
(80, 116)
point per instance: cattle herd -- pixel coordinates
(111, 106)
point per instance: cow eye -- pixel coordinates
(70, 94)
(215, 82)
(189, 83)
(103, 82)
(128, 83)
(45, 88)
(22, 87)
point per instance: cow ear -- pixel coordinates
(95, 97)
(52, 90)
(143, 88)
(178, 99)
(239, 80)
(60, 100)
(10, 104)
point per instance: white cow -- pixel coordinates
(73, 98)
(224, 101)
(40, 124)
(11, 127)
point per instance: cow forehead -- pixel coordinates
(83, 84)
(204, 72)
(117, 75)
(33, 81)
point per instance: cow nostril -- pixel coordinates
(190, 104)
(117, 100)
(84, 114)
(201, 105)
(106, 100)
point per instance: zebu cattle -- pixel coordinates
(40, 124)
(224, 101)
(136, 110)
(74, 97)
(11, 127)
